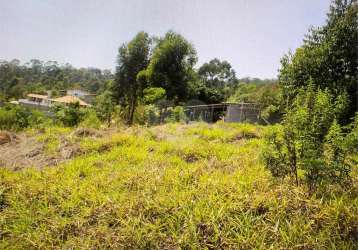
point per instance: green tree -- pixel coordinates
(217, 79)
(132, 58)
(327, 58)
(171, 67)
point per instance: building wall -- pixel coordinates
(36, 105)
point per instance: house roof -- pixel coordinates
(69, 99)
(37, 96)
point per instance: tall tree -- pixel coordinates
(217, 78)
(132, 58)
(327, 58)
(171, 67)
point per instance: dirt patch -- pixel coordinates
(190, 158)
(27, 151)
(22, 150)
(86, 132)
(71, 152)
(7, 137)
(244, 136)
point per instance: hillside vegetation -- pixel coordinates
(170, 186)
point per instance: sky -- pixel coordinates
(252, 35)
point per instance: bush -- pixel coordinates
(70, 115)
(176, 114)
(311, 141)
(15, 117)
(90, 120)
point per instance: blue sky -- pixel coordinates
(251, 34)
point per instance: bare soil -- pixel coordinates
(24, 151)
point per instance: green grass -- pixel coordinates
(173, 186)
(50, 136)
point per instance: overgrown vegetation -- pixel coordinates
(319, 83)
(171, 186)
(311, 143)
(17, 118)
(99, 183)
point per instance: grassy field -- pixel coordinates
(168, 187)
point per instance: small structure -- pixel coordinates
(84, 95)
(229, 112)
(35, 101)
(44, 103)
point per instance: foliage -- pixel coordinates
(91, 120)
(171, 67)
(104, 106)
(153, 95)
(15, 117)
(178, 114)
(310, 141)
(195, 186)
(70, 115)
(328, 58)
(267, 94)
(352, 138)
(17, 79)
(132, 59)
(217, 78)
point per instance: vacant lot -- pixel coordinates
(168, 187)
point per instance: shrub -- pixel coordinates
(70, 115)
(104, 106)
(90, 119)
(175, 114)
(311, 141)
(15, 117)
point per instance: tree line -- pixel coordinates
(161, 67)
(167, 64)
(37, 76)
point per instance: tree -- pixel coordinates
(217, 78)
(171, 67)
(132, 58)
(327, 58)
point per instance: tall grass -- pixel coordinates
(174, 186)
